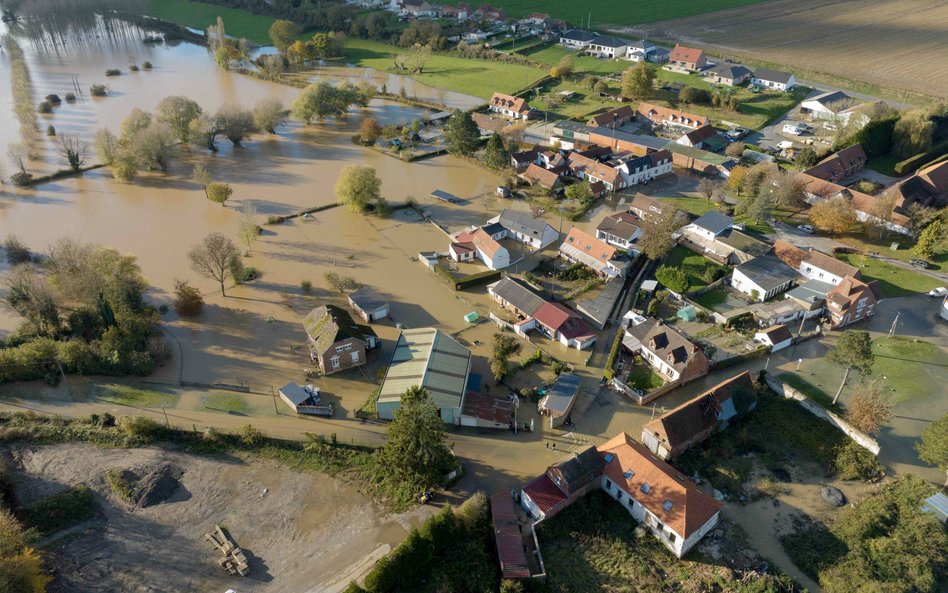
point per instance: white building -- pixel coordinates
(710, 225)
(777, 337)
(577, 38)
(657, 495)
(479, 244)
(763, 277)
(773, 79)
(524, 227)
(606, 46)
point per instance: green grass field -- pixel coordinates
(691, 264)
(893, 280)
(471, 77)
(226, 402)
(198, 15)
(696, 206)
(131, 396)
(613, 12)
(911, 369)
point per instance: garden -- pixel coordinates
(698, 270)
(641, 376)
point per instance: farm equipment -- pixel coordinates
(233, 561)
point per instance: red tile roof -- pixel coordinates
(544, 493)
(620, 114)
(590, 245)
(543, 177)
(788, 253)
(685, 54)
(515, 104)
(485, 243)
(701, 134)
(836, 165)
(689, 510)
(657, 113)
(561, 319)
(507, 535)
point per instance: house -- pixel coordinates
(482, 244)
(623, 170)
(773, 79)
(606, 46)
(559, 399)
(431, 359)
(524, 227)
(508, 537)
(777, 337)
(622, 141)
(614, 118)
(577, 38)
(490, 14)
(687, 58)
(810, 295)
(336, 342)
(678, 430)
(866, 206)
(537, 175)
(702, 161)
(619, 230)
(459, 12)
(559, 323)
(668, 352)
(927, 187)
(825, 268)
(521, 160)
(368, 304)
(763, 277)
(489, 125)
(649, 209)
(727, 74)
(698, 137)
(657, 495)
(552, 160)
(581, 247)
(710, 225)
(515, 297)
(831, 106)
(643, 51)
(513, 107)
(840, 165)
(666, 117)
(562, 484)
(852, 300)
(420, 9)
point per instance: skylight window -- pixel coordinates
(646, 488)
(667, 505)
(609, 457)
(628, 474)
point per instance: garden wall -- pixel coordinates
(788, 392)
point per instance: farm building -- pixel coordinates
(559, 400)
(431, 359)
(368, 304)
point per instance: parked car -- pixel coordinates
(938, 292)
(792, 129)
(805, 228)
(920, 263)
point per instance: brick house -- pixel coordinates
(336, 342)
(851, 301)
(687, 58)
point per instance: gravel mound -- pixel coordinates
(157, 485)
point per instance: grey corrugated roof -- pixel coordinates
(517, 295)
(714, 221)
(519, 220)
(431, 359)
(561, 395)
(609, 41)
(367, 299)
(767, 271)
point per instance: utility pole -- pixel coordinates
(802, 321)
(894, 322)
(799, 362)
(273, 395)
(167, 424)
(63, 373)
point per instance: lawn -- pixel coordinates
(904, 252)
(552, 53)
(712, 299)
(198, 15)
(910, 368)
(585, 103)
(755, 111)
(884, 164)
(478, 78)
(813, 392)
(893, 280)
(225, 401)
(611, 12)
(643, 377)
(691, 263)
(696, 206)
(132, 396)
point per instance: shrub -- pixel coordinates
(691, 94)
(276, 219)
(50, 130)
(712, 274)
(53, 99)
(673, 278)
(98, 90)
(70, 97)
(121, 484)
(113, 72)
(652, 309)
(21, 178)
(141, 428)
(45, 107)
(133, 68)
(146, 65)
(188, 301)
(306, 286)
(613, 354)
(853, 462)
(17, 252)
(250, 436)
(60, 510)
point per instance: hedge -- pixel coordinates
(911, 164)
(476, 279)
(613, 354)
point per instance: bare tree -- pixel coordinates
(202, 177)
(249, 228)
(869, 410)
(708, 187)
(73, 150)
(235, 123)
(214, 258)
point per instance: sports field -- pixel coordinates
(198, 15)
(611, 12)
(881, 44)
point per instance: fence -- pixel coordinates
(859, 437)
(642, 399)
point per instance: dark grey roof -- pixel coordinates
(830, 97)
(518, 295)
(579, 35)
(329, 324)
(520, 220)
(728, 70)
(667, 342)
(561, 395)
(768, 272)
(744, 243)
(618, 224)
(772, 75)
(571, 126)
(714, 221)
(493, 228)
(811, 291)
(580, 469)
(641, 44)
(367, 299)
(609, 41)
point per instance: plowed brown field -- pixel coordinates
(901, 44)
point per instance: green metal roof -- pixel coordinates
(431, 359)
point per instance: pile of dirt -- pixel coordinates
(153, 486)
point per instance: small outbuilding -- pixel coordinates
(937, 505)
(304, 401)
(559, 400)
(368, 304)
(777, 337)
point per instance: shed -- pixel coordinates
(559, 400)
(368, 304)
(937, 504)
(687, 313)
(649, 286)
(302, 401)
(444, 196)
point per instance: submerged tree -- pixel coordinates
(853, 351)
(358, 187)
(214, 258)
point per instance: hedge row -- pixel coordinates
(911, 164)
(613, 354)
(476, 279)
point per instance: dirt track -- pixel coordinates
(899, 44)
(301, 532)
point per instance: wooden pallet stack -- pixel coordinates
(233, 560)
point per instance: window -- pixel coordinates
(667, 505)
(646, 488)
(671, 536)
(608, 483)
(620, 497)
(334, 361)
(355, 357)
(609, 457)
(347, 347)
(628, 474)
